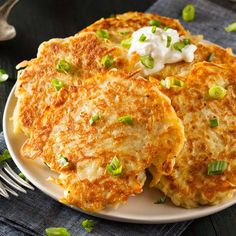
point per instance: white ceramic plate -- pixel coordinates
(139, 209)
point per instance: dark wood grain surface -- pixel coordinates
(37, 21)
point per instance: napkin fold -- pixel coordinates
(32, 213)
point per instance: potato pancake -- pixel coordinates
(210, 130)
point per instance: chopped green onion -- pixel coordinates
(154, 29)
(217, 92)
(178, 83)
(214, 122)
(57, 84)
(123, 32)
(211, 57)
(161, 200)
(186, 41)
(231, 27)
(155, 23)
(126, 119)
(166, 28)
(6, 155)
(103, 34)
(166, 83)
(107, 61)
(63, 66)
(126, 43)
(57, 232)
(93, 119)
(217, 167)
(114, 167)
(168, 41)
(142, 38)
(3, 76)
(88, 225)
(62, 161)
(147, 61)
(23, 176)
(178, 46)
(188, 13)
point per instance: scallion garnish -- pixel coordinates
(231, 27)
(186, 41)
(213, 122)
(3, 76)
(63, 66)
(57, 232)
(102, 33)
(126, 43)
(114, 167)
(168, 41)
(154, 29)
(94, 118)
(62, 161)
(126, 119)
(107, 61)
(57, 84)
(169, 82)
(177, 82)
(178, 46)
(155, 23)
(211, 57)
(188, 13)
(123, 32)
(88, 225)
(166, 28)
(147, 61)
(217, 167)
(161, 200)
(217, 92)
(165, 83)
(6, 155)
(142, 38)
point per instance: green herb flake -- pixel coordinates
(107, 61)
(211, 57)
(154, 29)
(147, 61)
(231, 27)
(88, 225)
(187, 41)
(166, 83)
(142, 38)
(63, 66)
(6, 155)
(161, 200)
(126, 43)
(169, 39)
(102, 33)
(217, 92)
(188, 13)
(62, 161)
(213, 122)
(124, 32)
(178, 46)
(166, 28)
(94, 119)
(115, 168)
(155, 23)
(178, 83)
(57, 232)
(57, 84)
(3, 76)
(217, 167)
(126, 119)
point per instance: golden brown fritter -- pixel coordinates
(64, 130)
(189, 185)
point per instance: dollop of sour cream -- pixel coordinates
(159, 45)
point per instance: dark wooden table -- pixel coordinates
(37, 21)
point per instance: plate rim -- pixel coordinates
(154, 220)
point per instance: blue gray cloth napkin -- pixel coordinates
(30, 214)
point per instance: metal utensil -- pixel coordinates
(7, 31)
(9, 180)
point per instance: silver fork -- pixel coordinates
(9, 179)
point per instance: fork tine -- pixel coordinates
(9, 170)
(10, 190)
(11, 182)
(3, 191)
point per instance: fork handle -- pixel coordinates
(6, 8)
